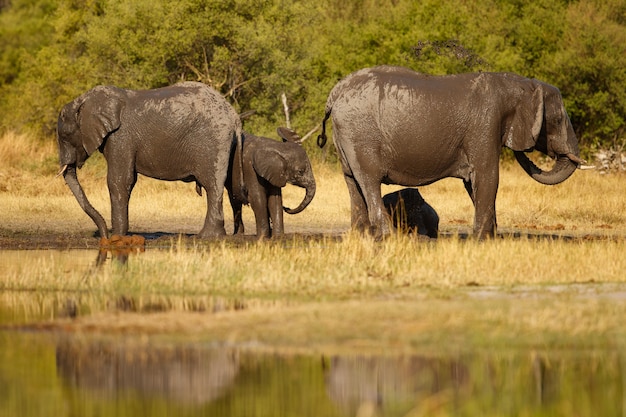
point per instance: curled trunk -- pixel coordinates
(310, 193)
(564, 166)
(69, 174)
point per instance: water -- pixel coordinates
(67, 373)
(74, 375)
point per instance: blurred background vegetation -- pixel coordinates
(254, 50)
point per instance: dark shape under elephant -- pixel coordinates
(411, 213)
(393, 125)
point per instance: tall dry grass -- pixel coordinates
(342, 289)
(33, 200)
(356, 294)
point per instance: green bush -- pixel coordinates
(253, 51)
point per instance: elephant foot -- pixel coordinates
(484, 234)
(380, 232)
(264, 236)
(211, 234)
(379, 236)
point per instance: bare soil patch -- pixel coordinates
(62, 241)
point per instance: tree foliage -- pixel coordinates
(254, 50)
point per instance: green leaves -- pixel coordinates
(252, 51)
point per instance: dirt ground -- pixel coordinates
(62, 241)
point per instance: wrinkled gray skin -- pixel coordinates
(410, 212)
(392, 125)
(182, 132)
(268, 165)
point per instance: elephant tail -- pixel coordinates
(322, 139)
(239, 150)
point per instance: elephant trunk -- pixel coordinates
(69, 174)
(564, 166)
(310, 193)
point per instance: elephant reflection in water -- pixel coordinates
(380, 386)
(185, 375)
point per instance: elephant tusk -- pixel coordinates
(61, 171)
(582, 164)
(585, 167)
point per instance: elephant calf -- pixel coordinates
(268, 165)
(410, 212)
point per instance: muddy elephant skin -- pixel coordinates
(411, 213)
(183, 132)
(268, 166)
(392, 125)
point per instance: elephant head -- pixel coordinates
(83, 126)
(546, 127)
(287, 163)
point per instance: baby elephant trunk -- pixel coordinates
(310, 193)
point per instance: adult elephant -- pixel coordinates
(269, 165)
(181, 132)
(392, 125)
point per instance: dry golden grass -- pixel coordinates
(33, 200)
(343, 289)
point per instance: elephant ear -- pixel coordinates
(288, 135)
(269, 164)
(99, 116)
(524, 127)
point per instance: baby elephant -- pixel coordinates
(268, 165)
(410, 212)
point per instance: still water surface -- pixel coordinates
(74, 374)
(52, 375)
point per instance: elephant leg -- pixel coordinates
(378, 218)
(358, 208)
(214, 221)
(259, 203)
(238, 227)
(275, 210)
(121, 184)
(483, 193)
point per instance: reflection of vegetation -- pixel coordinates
(95, 376)
(253, 51)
